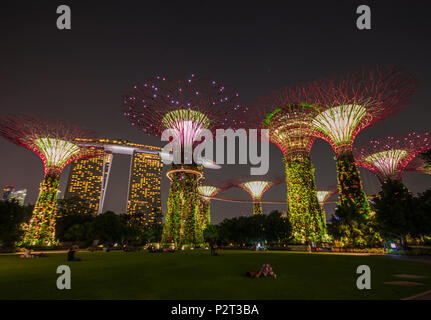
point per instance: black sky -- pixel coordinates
(80, 75)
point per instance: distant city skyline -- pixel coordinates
(9, 192)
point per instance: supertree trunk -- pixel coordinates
(200, 225)
(187, 107)
(204, 213)
(181, 224)
(257, 208)
(304, 210)
(41, 229)
(349, 183)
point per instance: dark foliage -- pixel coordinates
(272, 228)
(12, 216)
(395, 209)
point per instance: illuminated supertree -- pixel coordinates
(54, 143)
(288, 114)
(256, 189)
(206, 192)
(388, 157)
(186, 107)
(348, 103)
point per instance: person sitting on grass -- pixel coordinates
(71, 254)
(265, 271)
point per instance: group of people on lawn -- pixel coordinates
(215, 246)
(70, 254)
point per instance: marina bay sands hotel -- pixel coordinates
(88, 178)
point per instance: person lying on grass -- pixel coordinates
(265, 271)
(27, 254)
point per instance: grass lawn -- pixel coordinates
(197, 275)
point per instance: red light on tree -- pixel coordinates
(186, 106)
(54, 143)
(256, 188)
(350, 102)
(288, 114)
(388, 157)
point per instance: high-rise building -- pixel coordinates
(144, 187)
(18, 196)
(88, 178)
(7, 190)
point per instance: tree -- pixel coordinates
(395, 207)
(74, 217)
(74, 227)
(277, 228)
(421, 217)
(347, 224)
(12, 216)
(211, 232)
(350, 225)
(133, 229)
(139, 234)
(153, 233)
(249, 230)
(108, 228)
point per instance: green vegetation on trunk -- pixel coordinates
(303, 207)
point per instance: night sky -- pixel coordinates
(80, 75)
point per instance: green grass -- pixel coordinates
(197, 275)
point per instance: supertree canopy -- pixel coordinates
(288, 113)
(186, 107)
(387, 158)
(54, 143)
(207, 192)
(256, 189)
(350, 102)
